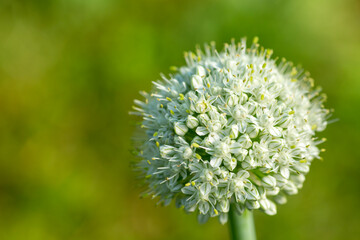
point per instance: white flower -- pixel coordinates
(230, 127)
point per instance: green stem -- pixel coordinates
(241, 226)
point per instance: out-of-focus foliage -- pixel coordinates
(70, 69)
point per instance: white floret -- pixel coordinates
(230, 127)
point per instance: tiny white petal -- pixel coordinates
(197, 82)
(201, 131)
(205, 189)
(215, 161)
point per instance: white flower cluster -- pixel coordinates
(231, 127)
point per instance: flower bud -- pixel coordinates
(180, 128)
(234, 131)
(196, 82)
(204, 119)
(232, 100)
(269, 181)
(192, 122)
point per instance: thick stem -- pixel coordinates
(241, 226)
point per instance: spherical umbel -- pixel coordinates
(230, 127)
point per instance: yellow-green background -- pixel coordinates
(69, 70)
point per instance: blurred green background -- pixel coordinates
(70, 69)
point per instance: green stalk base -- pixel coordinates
(241, 226)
